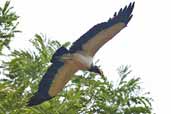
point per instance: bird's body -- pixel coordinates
(73, 63)
(83, 60)
(80, 56)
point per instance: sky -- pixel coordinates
(144, 44)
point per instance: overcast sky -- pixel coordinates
(145, 44)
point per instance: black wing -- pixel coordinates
(97, 36)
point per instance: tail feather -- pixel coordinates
(61, 51)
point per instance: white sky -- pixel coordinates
(144, 44)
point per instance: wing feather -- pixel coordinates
(54, 80)
(98, 35)
(63, 75)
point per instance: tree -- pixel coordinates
(86, 93)
(8, 24)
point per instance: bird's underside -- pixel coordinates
(78, 62)
(80, 56)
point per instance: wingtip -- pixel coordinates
(36, 100)
(124, 14)
(132, 4)
(129, 10)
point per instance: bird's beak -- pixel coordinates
(101, 72)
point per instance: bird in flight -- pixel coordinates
(80, 56)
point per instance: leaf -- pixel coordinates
(66, 44)
(4, 10)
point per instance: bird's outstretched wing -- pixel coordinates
(54, 80)
(97, 36)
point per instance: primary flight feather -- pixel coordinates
(80, 56)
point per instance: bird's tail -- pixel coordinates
(61, 51)
(36, 99)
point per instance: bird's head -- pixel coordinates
(96, 69)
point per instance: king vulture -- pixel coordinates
(80, 56)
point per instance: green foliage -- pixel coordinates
(8, 24)
(23, 70)
(84, 94)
